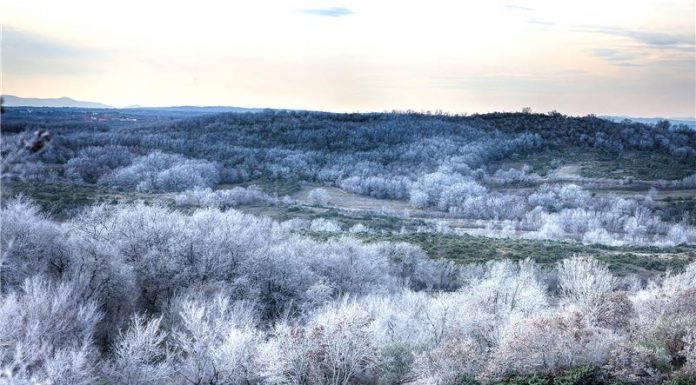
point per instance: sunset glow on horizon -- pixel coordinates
(603, 57)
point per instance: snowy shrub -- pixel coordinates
(164, 172)
(226, 198)
(318, 197)
(47, 335)
(92, 162)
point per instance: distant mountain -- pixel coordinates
(691, 123)
(16, 101)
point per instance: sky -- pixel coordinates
(618, 57)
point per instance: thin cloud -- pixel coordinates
(652, 39)
(328, 12)
(30, 53)
(617, 57)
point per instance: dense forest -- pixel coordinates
(291, 247)
(446, 164)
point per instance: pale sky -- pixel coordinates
(620, 57)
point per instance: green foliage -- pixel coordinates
(677, 210)
(581, 376)
(60, 200)
(639, 165)
(594, 163)
(584, 375)
(681, 380)
(346, 219)
(467, 249)
(466, 380)
(396, 364)
(526, 380)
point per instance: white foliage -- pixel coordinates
(47, 335)
(164, 172)
(318, 197)
(139, 357)
(214, 342)
(584, 281)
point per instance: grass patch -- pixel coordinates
(467, 249)
(61, 200)
(346, 219)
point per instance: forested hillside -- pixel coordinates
(291, 247)
(545, 176)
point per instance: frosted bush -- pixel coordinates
(318, 197)
(225, 198)
(321, 224)
(164, 172)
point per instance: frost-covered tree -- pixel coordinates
(91, 163)
(164, 172)
(214, 342)
(318, 197)
(584, 282)
(47, 335)
(451, 361)
(335, 347)
(139, 356)
(31, 244)
(549, 343)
